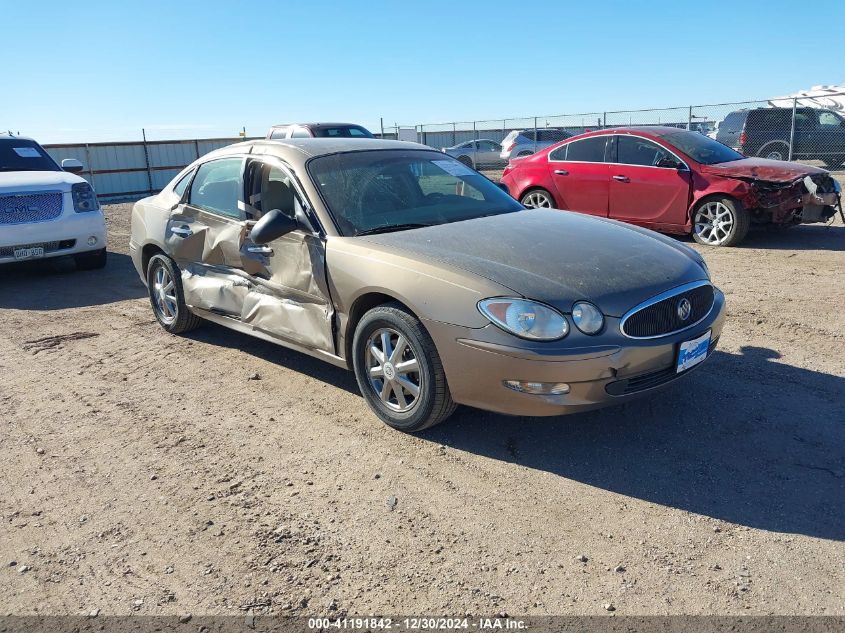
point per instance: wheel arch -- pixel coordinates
(531, 188)
(147, 253)
(363, 304)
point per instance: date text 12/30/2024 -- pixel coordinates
(418, 623)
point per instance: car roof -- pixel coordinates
(297, 151)
(6, 135)
(319, 125)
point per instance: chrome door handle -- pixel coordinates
(622, 178)
(259, 250)
(561, 172)
(181, 231)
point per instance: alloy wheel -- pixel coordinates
(537, 200)
(393, 369)
(164, 295)
(714, 222)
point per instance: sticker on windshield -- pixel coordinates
(454, 167)
(27, 152)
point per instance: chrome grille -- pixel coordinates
(27, 208)
(49, 247)
(659, 316)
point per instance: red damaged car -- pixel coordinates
(672, 180)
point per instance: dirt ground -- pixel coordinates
(146, 473)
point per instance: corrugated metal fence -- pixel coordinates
(135, 169)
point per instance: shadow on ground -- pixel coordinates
(747, 440)
(55, 284)
(816, 237)
(220, 336)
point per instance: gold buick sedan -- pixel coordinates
(424, 277)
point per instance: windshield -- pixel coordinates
(396, 189)
(341, 131)
(17, 154)
(702, 149)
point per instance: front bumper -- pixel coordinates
(67, 235)
(610, 370)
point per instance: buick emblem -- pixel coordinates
(684, 309)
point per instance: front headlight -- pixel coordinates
(587, 317)
(84, 198)
(525, 319)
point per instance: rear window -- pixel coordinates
(588, 150)
(24, 155)
(734, 121)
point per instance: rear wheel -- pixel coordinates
(720, 222)
(399, 370)
(167, 298)
(91, 261)
(774, 151)
(537, 199)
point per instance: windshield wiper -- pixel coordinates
(389, 228)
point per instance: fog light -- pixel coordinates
(92, 240)
(538, 388)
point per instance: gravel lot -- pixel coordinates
(147, 473)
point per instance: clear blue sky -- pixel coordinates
(89, 71)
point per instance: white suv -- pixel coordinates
(45, 211)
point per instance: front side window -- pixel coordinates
(386, 190)
(270, 188)
(216, 186)
(17, 154)
(638, 151)
(279, 132)
(588, 150)
(830, 119)
(488, 146)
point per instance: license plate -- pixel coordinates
(693, 352)
(32, 252)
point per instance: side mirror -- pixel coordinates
(669, 163)
(273, 225)
(72, 165)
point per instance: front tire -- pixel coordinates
(164, 281)
(720, 222)
(399, 370)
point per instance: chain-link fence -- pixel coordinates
(805, 129)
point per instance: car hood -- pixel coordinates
(762, 169)
(556, 257)
(24, 181)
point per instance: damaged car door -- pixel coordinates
(289, 297)
(279, 288)
(203, 236)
